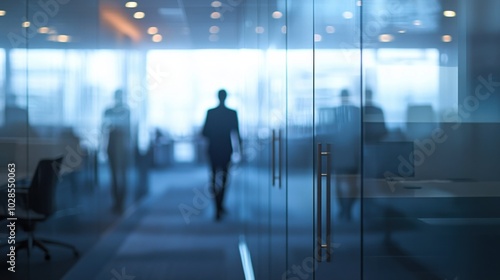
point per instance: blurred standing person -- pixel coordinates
(116, 130)
(374, 121)
(346, 148)
(221, 124)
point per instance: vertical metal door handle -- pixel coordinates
(328, 202)
(319, 200)
(279, 158)
(273, 159)
(319, 203)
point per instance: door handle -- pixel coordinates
(276, 138)
(323, 155)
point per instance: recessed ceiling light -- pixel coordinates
(157, 38)
(43, 30)
(446, 38)
(402, 31)
(347, 15)
(417, 22)
(385, 38)
(277, 14)
(216, 4)
(259, 29)
(214, 29)
(26, 24)
(152, 30)
(449, 13)
(63, 38)
(139, 15)
(131, 4)
(215, 15)
(330, 29)
(317, 38)
(2, 13)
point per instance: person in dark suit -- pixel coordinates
(346, 134)
(221, 124)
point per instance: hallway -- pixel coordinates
(156, 241)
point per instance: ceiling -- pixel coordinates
(184, 24)
(108, 23)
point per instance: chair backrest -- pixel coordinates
(43, 186)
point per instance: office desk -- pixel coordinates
(433, 199)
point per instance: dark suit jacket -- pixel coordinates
(219, 124)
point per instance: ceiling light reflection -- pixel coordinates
(215, 15)
(385, 38)
(152, 30)
(330, 29)
(214, 29)
(26, 24)
(157, 38)
(43, 30)
(139, 15)
(131, 4)
(277, 14)
(63, 38)
(347, 15)
(446, 38)
(449, 13)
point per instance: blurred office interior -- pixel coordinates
(370, 130)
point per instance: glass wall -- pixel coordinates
(370, 127)
(71, 96)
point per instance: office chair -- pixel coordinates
(39, 204)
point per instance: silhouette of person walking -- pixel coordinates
(116, 126)
(221, 124)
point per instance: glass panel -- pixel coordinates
(258, 141)
(276, 64)
(429, 176)
(337, 100)
(300, 177)
(57, 82)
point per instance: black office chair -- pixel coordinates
(38, 204)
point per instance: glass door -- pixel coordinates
(324, 140)
(337, 139)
